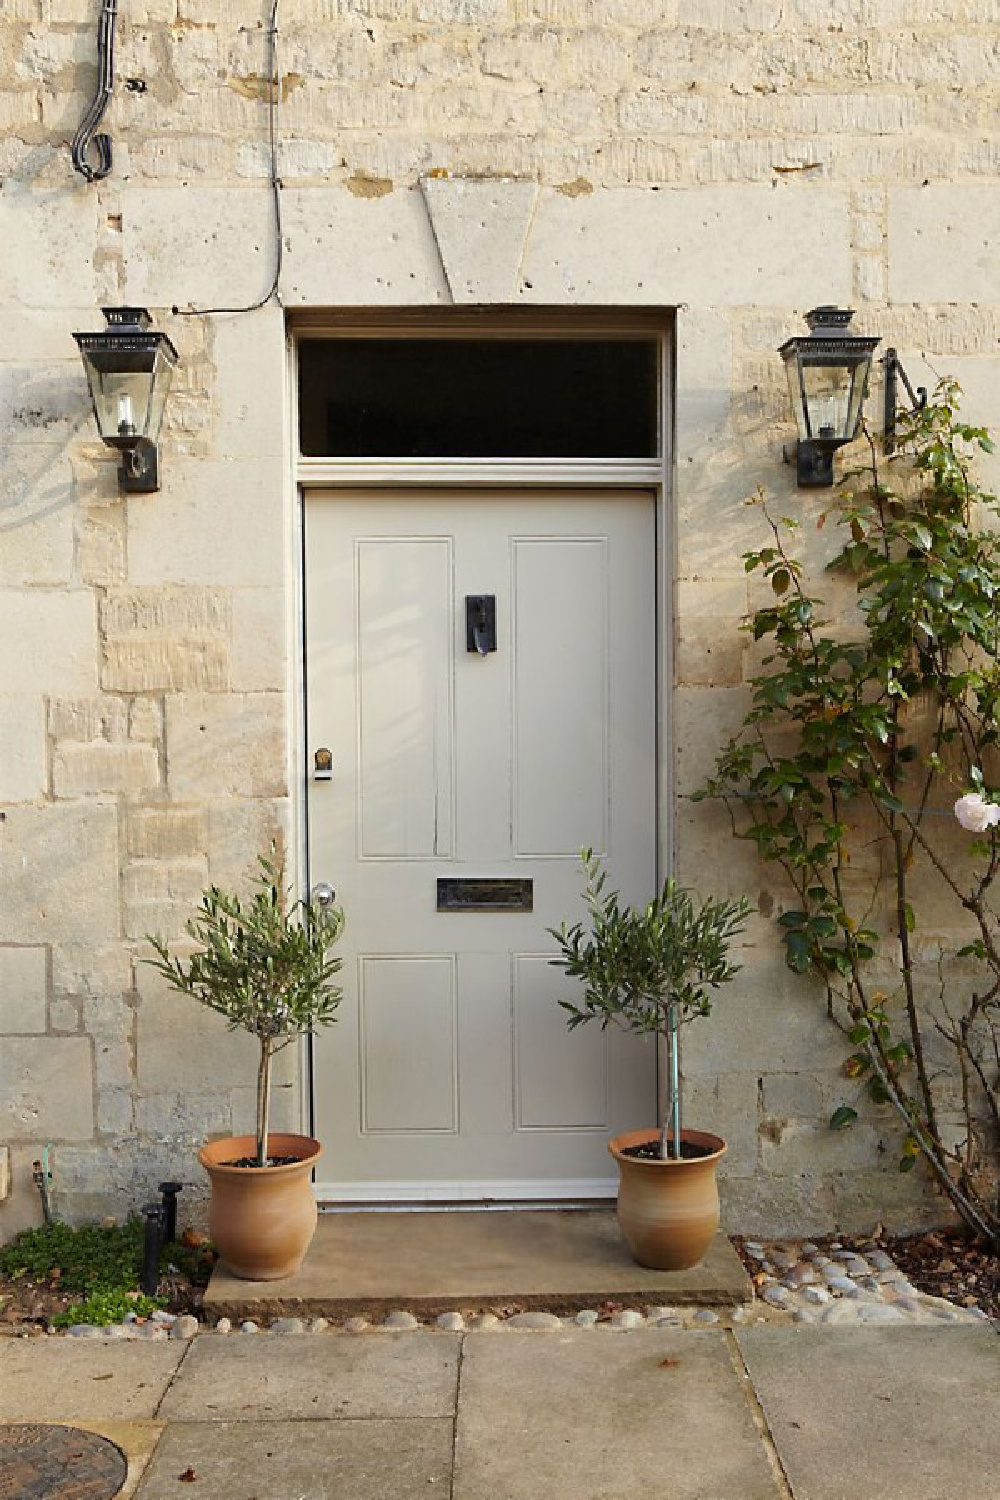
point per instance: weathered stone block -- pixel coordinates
(187, 1116)
(102, 972)
(171, 255)
(84, 720)
(167, 833)
(216, 523)
(59, 874)
(170, 639)
(62, 630)
(182, 1047)
(64, 1014)
(37, 509)
(90, 770)
(46, 1089)
(631, 246)
(23, 769)
(62, 228)
(226, 746)
(260, 644)
(24, 984)
(384, 249)
(239, 830)
(710, 646)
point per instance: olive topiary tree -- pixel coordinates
(264, 964)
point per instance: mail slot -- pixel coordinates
(454, 894)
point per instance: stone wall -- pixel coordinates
(736, 160)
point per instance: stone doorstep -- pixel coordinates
(370, 1264)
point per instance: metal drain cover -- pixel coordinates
(46, 1462)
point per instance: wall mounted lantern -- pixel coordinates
(129, 370)
(828, 371)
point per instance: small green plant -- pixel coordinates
(88, 1258)
(264, 964)
(102, 1308)
(649, 970)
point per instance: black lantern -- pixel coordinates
(828, 371)
(129, 370)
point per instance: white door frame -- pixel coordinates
(655, 475)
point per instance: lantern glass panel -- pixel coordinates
(129, 391)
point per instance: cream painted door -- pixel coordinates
(451, 1074)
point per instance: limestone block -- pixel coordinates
(767, 1020)
(260, 659)
(250, 386)
(46, 1089)
(231, 745)
(85, 719)
(64, 1014)
(90, 770)
(23, 772)
(182, 1047)
(360, 251)
(58, 231)
(166, 639)
(145, 719)
(787, 1095)
(108, 1017)
(184, 245)
(797, 1207)
(980, 382)
(214, 523)
(62, 631)
(941, 240)
(59, 874)
(113, 1066)
(101, 972)
(167, 833)
(24, 984)
(45, 404)
(187, 1116)
(481, 229)
(704, 719)
(100, 546)
(710, 646)
(115, 1113)
(726, 1104)
(36, 519)
(633, 246)
(240, 829)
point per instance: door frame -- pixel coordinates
(378, 474)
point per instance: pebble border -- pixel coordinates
(795, 1282)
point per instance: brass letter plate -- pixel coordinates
(484, 895)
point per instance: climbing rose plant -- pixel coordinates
(868, 771)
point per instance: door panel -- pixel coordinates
(451, 1073)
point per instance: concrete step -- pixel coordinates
(368, 1264)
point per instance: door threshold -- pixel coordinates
(464, 1206)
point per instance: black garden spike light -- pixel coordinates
(828, 371)
(129, 369)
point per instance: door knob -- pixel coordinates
(322, 895)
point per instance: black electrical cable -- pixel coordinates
(274, 91)
(86, 136)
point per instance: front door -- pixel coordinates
(481, 667)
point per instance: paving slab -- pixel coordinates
(562, 1260)
(272, 1376)
(66, 1380)
(595, 1415)
(302, 1461)
(881, 1413)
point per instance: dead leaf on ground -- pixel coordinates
(669, 1364)
(188, 1477)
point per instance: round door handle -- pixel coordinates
(322, 894)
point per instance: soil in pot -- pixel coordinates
(650, 1151)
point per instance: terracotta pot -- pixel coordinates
(261, 1219)
(668, 1210)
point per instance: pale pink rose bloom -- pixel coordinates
(976, 814)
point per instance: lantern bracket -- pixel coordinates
(918, 398)
(138, 472)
